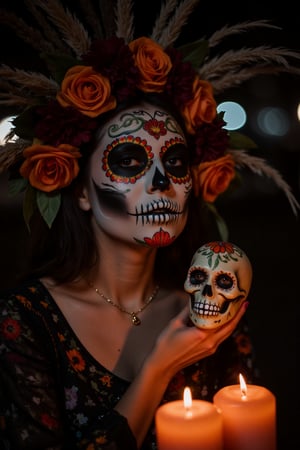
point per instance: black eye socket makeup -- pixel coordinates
(127, 159)
(175, 160)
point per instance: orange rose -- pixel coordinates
(153, 63)
(49, 168)
(202, 108)
(86, 90)
(212, 178)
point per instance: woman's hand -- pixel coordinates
(180, 345)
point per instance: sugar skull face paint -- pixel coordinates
(140, 179)
(218, 281)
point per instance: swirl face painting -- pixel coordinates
(218, 281)
(140, 178)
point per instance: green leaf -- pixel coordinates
(48, 205)
(59, 63)
(195, 52)
(29, 204)
(221, 224)
(238, 140)
(17, 185)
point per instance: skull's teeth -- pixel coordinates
(205, 309)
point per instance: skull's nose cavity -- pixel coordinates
(160, 181)
(207, 290)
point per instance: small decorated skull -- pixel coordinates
(218, 281)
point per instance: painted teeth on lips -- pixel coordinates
(157, 218)
(159, 206)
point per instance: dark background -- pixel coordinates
(260, 219)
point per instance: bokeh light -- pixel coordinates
(273, 121)
(5, 126)
(234, 115)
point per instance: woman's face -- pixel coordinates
(139, 177)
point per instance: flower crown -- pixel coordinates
(54, 128)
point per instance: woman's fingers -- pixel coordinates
(180, 345)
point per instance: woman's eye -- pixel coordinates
(174, 162)
(130, 162)
(177, 167)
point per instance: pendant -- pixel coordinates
(134, 319)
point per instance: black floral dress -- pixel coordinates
(55, 395)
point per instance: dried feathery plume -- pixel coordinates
(106, 18)
(26, 33)
(243, 27)
(162, 19)
(176, 23)
(124, 20)
(11, 99)
(5, 85)
(20, 88)
(48, 31)
(234, 60)
(91, 18)
(260, 167)
(35, 82)
(71, 29)
(12, 154)
(232, 79)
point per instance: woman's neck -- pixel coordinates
(125, 273)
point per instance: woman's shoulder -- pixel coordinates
(29, 294)
(26, 287)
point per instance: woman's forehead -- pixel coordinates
(143, 118)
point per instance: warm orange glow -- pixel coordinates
(243, 387)
(187, 398)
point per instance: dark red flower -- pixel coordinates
(210, 142)
(11, 329)
(155, 127)
(58, 125)
(76, 360)
(160, 239)
(49, 422)
(179, 86)
(113, 58)
(221, 247)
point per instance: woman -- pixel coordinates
(93, 343)
(117, 157)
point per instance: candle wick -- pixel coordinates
(244, 394)
(188, 411)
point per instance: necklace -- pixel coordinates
(133, 314)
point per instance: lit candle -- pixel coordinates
(249, 416)
(188, 425)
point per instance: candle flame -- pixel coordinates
(243, 387)
(187, 402)
(187, 398)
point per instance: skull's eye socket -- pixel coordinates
(224, 281)
(198, 276)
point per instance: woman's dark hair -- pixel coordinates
(68, 250)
